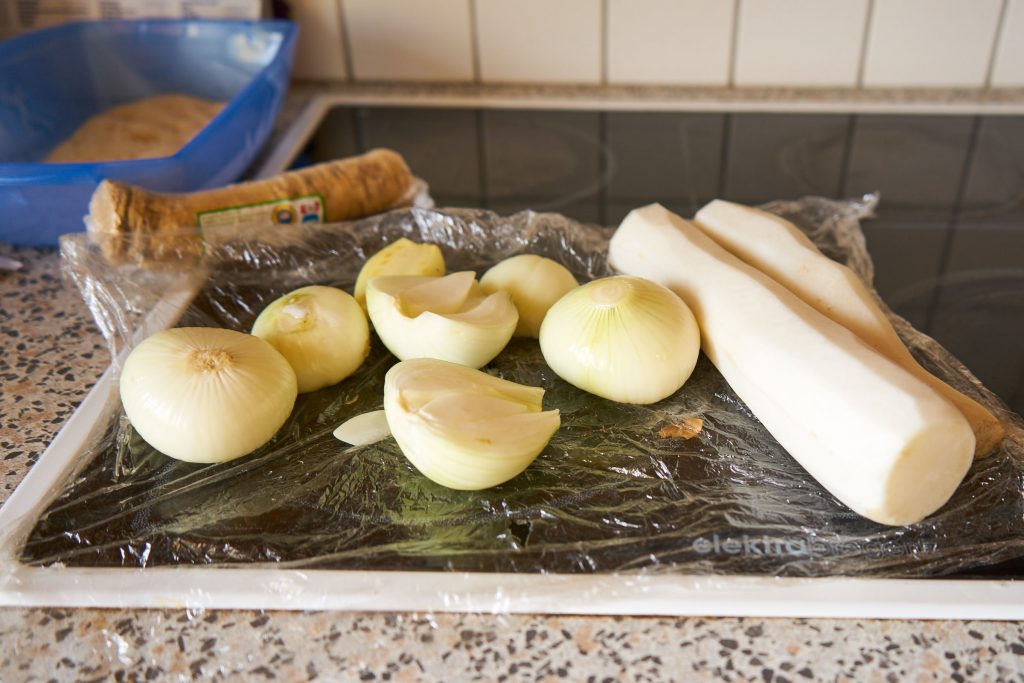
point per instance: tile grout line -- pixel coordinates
(474, 41)
(604, 42)
(847, 155)
(862, 62)
(360, 129)
(1018, 394)
(481, 158)
(723, 155)
(954, 218)
(602, 168)
(965, 173)
(346, 41)
(734, 41)
(997, 41)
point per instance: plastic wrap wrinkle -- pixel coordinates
(613, 492)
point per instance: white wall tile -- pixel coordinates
(669, 41)
(930, 43)
(320, 51)
(410, 40)
(799, 42)
(1009, 62)
(550, 41)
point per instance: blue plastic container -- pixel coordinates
(52, 81)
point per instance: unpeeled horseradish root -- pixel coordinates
(322, 332)
(450, 317)
(881, 440)
(463, 428)
(203, 394)
(534, 282)
(779, 249)
(134, 225)
(401, 257)
(622, 338)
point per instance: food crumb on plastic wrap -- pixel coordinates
(613, 492)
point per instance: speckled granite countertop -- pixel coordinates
(52, 354)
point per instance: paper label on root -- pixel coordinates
(307, 208)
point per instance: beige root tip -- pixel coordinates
(103, 214)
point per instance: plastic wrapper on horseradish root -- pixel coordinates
(691, 484)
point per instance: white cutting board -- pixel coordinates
(268, 587)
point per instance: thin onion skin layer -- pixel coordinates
(325, 346)
(206, 395)
(365, 429)
(626, 339)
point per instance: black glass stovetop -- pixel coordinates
(948, 241)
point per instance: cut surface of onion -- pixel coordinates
(462, 428)
(206, 395)
(534, 282)
(450, 318)
(321, 331)
(401, 257)
(622, 338)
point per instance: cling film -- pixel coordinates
(308, 208)
(691, 484)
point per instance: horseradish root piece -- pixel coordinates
(881, 440)
(779, 249)
(133, 225)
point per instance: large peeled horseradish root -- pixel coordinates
(203, 394)
(881, 440)
(450, 318)
(779, 249)
(463, 428)
(322, 332)
(534, 282)
(622, 338)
